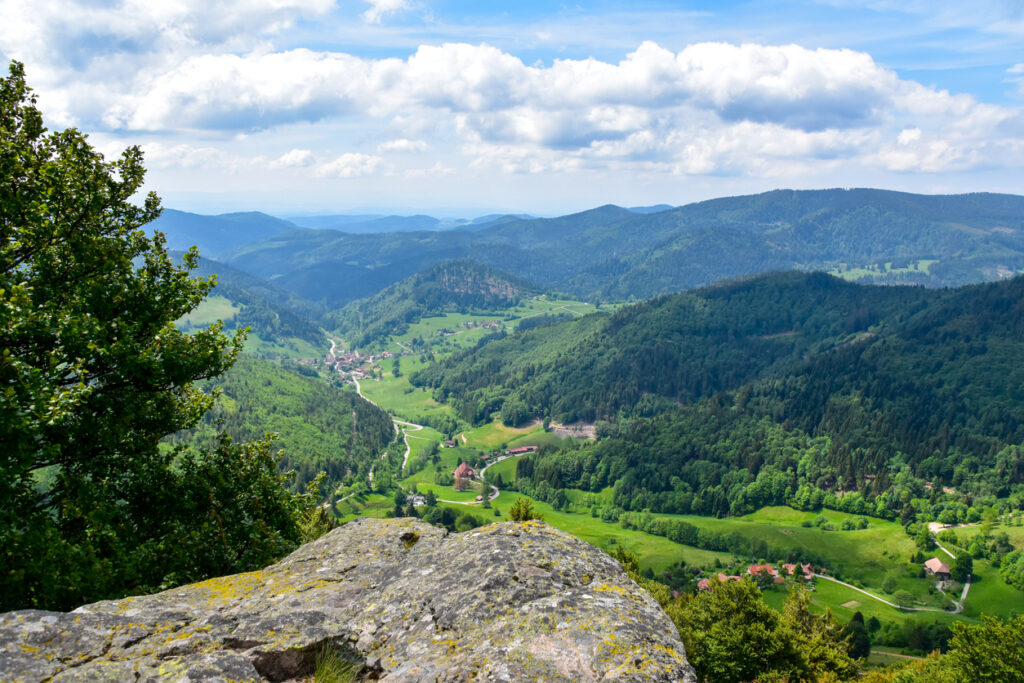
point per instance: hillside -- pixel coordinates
(673, 349)
(276, 317)
(216, 235)
(321, 428)
(612, 253)
(453, 286)
(790, 388)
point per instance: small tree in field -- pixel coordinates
(522, 510)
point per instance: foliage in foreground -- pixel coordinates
(94, 374)
(730, 633)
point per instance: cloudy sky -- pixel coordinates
(454, 107)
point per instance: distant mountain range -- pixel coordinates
(613, 253)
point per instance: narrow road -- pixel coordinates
(494, 494)
(958, 610)
(934, 528)
(409, 427)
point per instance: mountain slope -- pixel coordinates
(272, 313)
(216, 235)
(613, 253)
(453, 286)
(875, 396)
(321, 428)
(672, 349)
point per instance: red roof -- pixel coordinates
(522, 449)
(756, 569)
(463, 470)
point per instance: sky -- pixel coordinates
(464, 108)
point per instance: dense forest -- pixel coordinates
(320, 427)
(781, 389)
(651, 356)
(453, 286)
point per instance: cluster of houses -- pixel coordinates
(806, 571)
(350, 361)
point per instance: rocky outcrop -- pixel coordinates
(402, 600)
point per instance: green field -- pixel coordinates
(494, 434)
(290, 347)
(210, 310)
(398, 396)
(854, 273)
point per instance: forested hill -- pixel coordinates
(611, 253)
(932, 396)
(269, 311)
(321, 427)
(453, 286)
(216, 235)
(673, 349)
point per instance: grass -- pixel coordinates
(290, 347)
(398, 396)
(848, 272)
(494, 434)
(210, 310)
(989, 594)
(332, 668)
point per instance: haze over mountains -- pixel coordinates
(611, 253)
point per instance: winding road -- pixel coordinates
(407, 427)
(958, 610)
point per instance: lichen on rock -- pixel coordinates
(506, 602)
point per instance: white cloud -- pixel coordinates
(380, 8)
(191, 69)
(296, 158)
(349, 165)
(402, 145)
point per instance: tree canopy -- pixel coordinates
(94, 374)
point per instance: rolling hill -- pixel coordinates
(612, 253)
(778, 389)
(452, 286)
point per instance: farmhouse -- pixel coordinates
(705, 584)
(806, 570)
(521, 450)
(765, 569)
(937, 568)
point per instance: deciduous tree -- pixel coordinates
(93, 373)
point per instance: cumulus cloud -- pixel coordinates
(380, 8)
(349, 165)
(710, 108)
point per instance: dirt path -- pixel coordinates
(934, 528)
(494, 494)
(894, 654)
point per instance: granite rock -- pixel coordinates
(401, 599)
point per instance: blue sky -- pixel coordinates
(458, 108)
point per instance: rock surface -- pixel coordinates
(404, 600)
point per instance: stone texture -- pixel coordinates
(405, 600)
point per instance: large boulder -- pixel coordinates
(402, 600)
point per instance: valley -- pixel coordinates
(751, 422)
